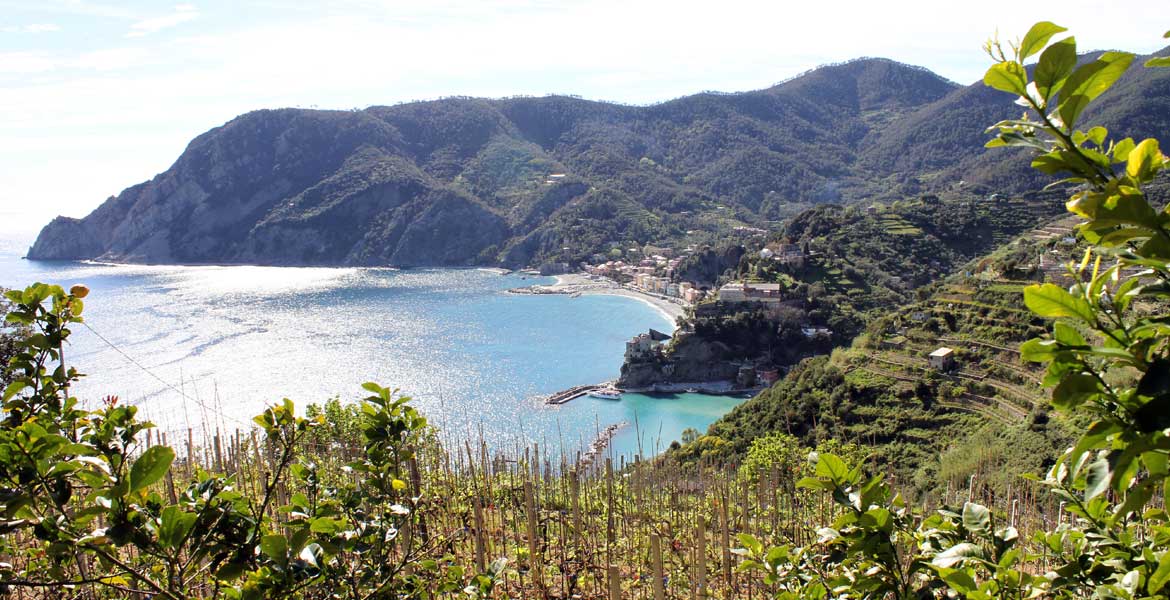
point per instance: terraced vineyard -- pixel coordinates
(980, 315)
(983, 321)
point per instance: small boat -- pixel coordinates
(606, 394)
(692, 390)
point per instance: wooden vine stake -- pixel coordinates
(726, 541)
(700, 559)
(533, 559)
(480, 558)
(656, 565)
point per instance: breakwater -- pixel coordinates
(574, 392)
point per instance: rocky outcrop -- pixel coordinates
(67, 239)
(690, 359)
(286, 187)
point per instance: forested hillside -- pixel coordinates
(928, 426)
(858, 263)
(523, 181)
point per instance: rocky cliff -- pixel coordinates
(691, 359)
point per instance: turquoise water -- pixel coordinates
(208, 347)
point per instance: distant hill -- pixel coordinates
(522, 181)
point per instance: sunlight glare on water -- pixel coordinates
(225, 341)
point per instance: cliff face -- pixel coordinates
(691, 360)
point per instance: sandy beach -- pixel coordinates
(580, 283)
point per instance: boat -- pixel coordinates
(606, 393)
(692, 390)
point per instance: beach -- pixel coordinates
(580, 283)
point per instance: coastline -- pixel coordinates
(579, 283)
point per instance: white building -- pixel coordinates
(942, 359)
(738, 291)
(645, 345)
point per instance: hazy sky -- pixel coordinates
(97, 96)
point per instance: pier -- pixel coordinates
(572, 393)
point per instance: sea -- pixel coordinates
(206, 348)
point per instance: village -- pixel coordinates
(655, 275)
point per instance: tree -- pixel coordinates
(10, 336)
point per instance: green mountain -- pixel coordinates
(521, 181)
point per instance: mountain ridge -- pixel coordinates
(520, 181)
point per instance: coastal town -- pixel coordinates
(658, 362)
(655, 278)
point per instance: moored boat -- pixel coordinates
(606, 393)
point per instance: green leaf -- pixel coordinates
(1007, 77)
(955, 554)
(326, 525)
(1158, 61)
(1107, 210)
(1122, 149)
(1088, 82)
(13, 389)
(831, 467)
(150, 467)
(1037, 37)
(1050, 300)
(299, 538)
(175, 525)
(1144, 161)
(812, 483)
(1155, 414)
(1068, 335)
(1161, 575)
(1097, 478)
(976, 518)
(1075, 389)
(275, 547)
(1038, 350)
(960, 581)
(751, 543)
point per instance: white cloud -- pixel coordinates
(31, 28)
(182, 14)
(28, 63)
(112, 59)
(23, 63)
(68, 7)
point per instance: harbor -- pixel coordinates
(573, 393)
(710, 388)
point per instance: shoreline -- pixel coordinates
(579, 283)
(705, 388)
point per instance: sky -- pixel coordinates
(97, 96)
